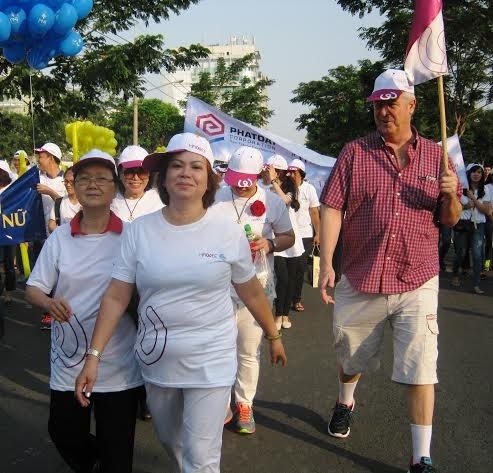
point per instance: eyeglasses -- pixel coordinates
(141, 172)
(68, 181)
(84, 181)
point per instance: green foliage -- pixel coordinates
(338, 108)
(239, 97)
(158, 122)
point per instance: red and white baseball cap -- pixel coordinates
(389, 85)
(296, 164)
(95, 156)
(51, 148)
(178, 143)
(132, 157)
(278, 162)
(244, 166)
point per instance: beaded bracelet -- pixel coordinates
(273, 337)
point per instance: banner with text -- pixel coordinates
(226, 134)
(21, 211)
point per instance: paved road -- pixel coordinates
(293, 403)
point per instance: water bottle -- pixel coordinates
(251, 237)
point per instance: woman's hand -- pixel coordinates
(277, 354)
(272, 172)
(59, 308)
(85, 381)
(261, 244)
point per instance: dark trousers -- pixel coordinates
(474, 240)
(113, 445)
(444, 245)
(285, 269)
(8, 253)
(488, 237)
(301, 268)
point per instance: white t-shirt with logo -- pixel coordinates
(79, 268)
(474, 214)
(307, 197)
(187, 329)
(129, 209)
(55, 183)
(274, 220)
(67, 210)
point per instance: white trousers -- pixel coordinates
(248, 354)
(189, 423)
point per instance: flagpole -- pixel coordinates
(443, 122)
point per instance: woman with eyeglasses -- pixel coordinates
(65, 207)
(136, 197)
(76, 263)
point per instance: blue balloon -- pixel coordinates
(15, 53)
(5, 27)
(65, 19)
(40, 20)
(38, 57)
(18, 19)
(55, 4)
(72, 44)
(83, 7)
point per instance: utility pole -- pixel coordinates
(136, 120)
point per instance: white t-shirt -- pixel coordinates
(187, 330)
(474, 214)
(129, 209)
(67, 210)
(274, 220)
(57, 185)
(307, 197)
(79, 268)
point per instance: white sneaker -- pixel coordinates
(278, 323)
(286, 323)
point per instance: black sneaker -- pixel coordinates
(424, 466)
(342, 418)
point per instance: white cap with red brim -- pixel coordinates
(296, 164)
(51, 148)
(177, 144)
(95, 156)
(389, 85)
(132, 157)
(244, 166)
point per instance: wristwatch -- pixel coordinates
(273, 243)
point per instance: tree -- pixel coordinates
(468, 33)
(338, 108)
(158, 122)
(241, 98)
(84, 82)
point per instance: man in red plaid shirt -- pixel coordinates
(389, 193)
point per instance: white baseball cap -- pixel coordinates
(390, 85)
(296, 164)
(51, 148)
(132, 157)
(95, 156)
(244, 166)
(178, 143)
(278, 162)
(473, 165)
(4, 166)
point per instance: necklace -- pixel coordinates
(239, 214)
(131, 211)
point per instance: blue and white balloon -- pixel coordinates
(5, 27)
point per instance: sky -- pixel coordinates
(299, 41)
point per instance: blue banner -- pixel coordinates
(21, 211)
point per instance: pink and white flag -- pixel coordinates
(426, 57)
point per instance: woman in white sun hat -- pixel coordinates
(136, 197)
(76, 263)
(308, 222)
(182, 260)
(244, 202)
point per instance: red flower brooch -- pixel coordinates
(257, 208)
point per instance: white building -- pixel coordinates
(177, 85)
(14, 106)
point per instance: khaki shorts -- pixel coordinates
(359, 322)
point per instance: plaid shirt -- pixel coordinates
(390, 228)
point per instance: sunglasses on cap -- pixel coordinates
(140, 171)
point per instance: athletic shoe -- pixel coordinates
(342, 418)
(424, 466)
(228, 416)
(286, 323)
(45, 323)
(244, 421)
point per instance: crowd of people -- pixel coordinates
(164, 272)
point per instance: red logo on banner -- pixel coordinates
(210, 124)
